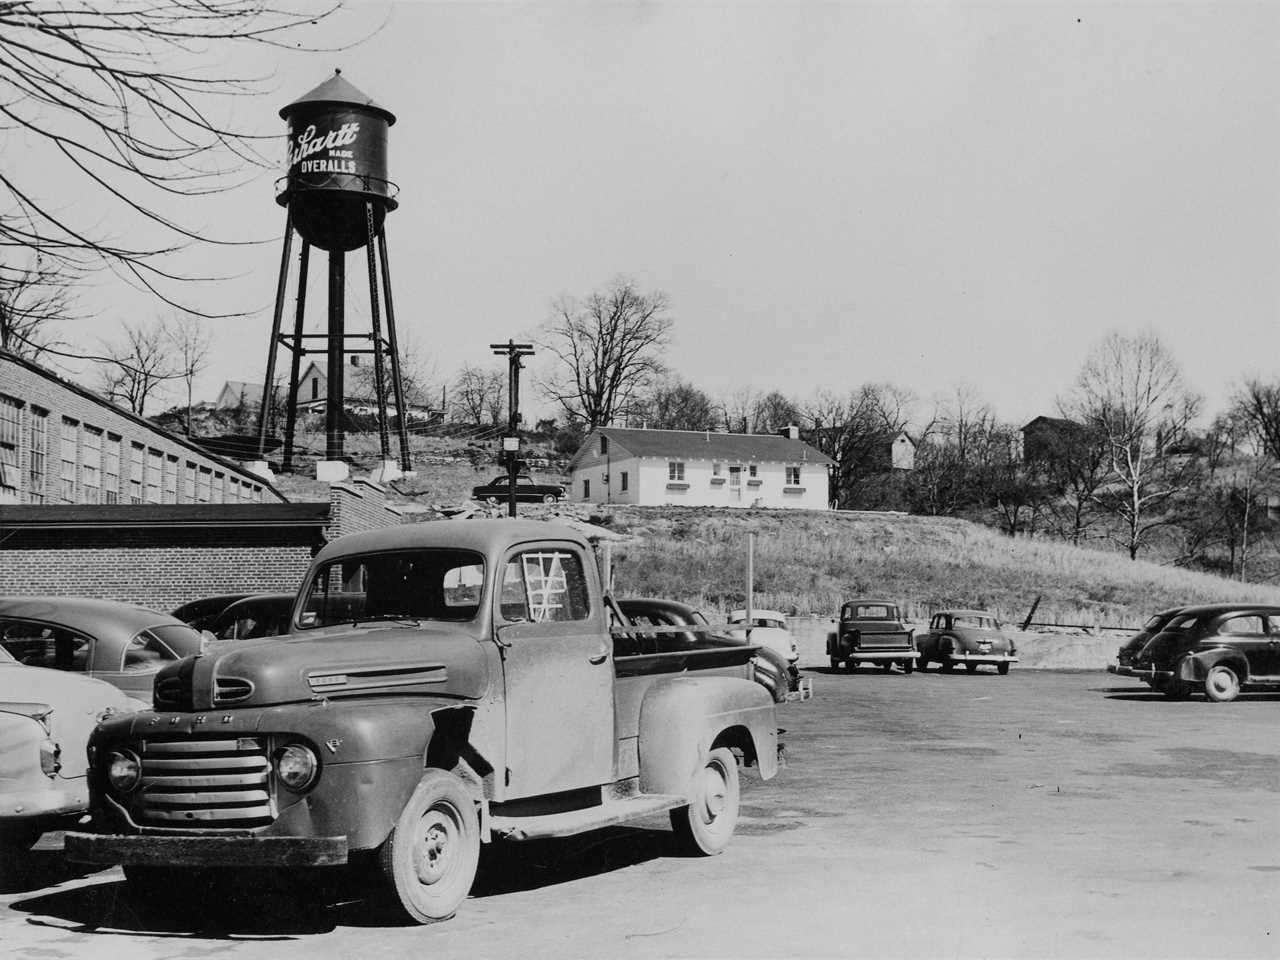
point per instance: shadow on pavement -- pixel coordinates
(37, 869)
(528, 865)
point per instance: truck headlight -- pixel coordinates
(124, 771)
(297, 766)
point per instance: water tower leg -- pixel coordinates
(396, 382)
(375, 320)
(264, 409)
(291, 412)
(333, 467)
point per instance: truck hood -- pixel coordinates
(360, 661)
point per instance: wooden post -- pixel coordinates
(751, 579)
(1031, 613)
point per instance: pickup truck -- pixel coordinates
(871, 631)
(475, 693)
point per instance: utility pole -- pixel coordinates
(514, 352)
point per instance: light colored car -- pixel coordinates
(116, 642)
(46, 717)
(768, 629)
(970, 637)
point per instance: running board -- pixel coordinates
(589, 818)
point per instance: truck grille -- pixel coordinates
(212, 784)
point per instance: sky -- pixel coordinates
(830, 194)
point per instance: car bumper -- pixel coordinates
(882, 656)
(981, 658)
(49, 803)
(802, 692)
(206, 851)
(1149, 674)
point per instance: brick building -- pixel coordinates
(63, 444)
(163, 555)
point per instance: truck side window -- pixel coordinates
(544, 586)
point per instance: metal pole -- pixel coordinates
(513, 421)
(396, 383)
(379, 387)
(751, 580)
(291, 414)
(281, 284)
(333, 444)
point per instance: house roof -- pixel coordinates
(1059, 422)
(704, 445)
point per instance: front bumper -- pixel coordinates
(42, 803)
(206, 851)
(982, 658)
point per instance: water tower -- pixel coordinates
(338, 196)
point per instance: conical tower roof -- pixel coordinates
(337, 90)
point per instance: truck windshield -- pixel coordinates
(396, 585)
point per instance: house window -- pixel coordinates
(735, 476)
(219, 486)
(624, 480)
(70, 439)
(586, 489)
(91, 465)
(751, 471)
(675, 470)
(137, 459)
(715, 469)
(155, 475)
(111, 470)
(315, 389)
(793, 476)
(604, 445)
(204, 489)
(39, 452)
(189, 483)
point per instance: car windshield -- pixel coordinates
(878, 611)
(974, 622)
(396, 585)
(156, 645)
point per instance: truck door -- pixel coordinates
(558, 672)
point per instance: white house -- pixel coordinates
(699, 468)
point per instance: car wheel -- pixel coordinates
(835, 663)
(923, 663)
(851, 665)
(704, 827)
(430, 859)
(1221, 685)
(971, 667)
(1002, 669)
(491, 501)
(550, 498)
(908, 666)
(887, 666)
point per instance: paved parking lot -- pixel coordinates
(1036, 815)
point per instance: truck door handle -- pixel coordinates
(600, 657)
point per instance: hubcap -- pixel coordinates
(714, 792)
(1221, 681)
(434, 846)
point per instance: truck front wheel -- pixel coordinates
(430, 859)
(704, 827)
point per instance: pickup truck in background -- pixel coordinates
(871, 631)
(475, 692)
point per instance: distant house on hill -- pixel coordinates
(883, 452)
(1044, 438)
(699, 468)
(313, 396)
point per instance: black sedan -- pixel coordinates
(495, 491)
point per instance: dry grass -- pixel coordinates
(808, 562)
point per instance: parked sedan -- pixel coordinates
(970, 637)
(1221, 649)
(203, 612)
(117, 642)
(45, 720)
(496, 490)
(768, 629)
(261, 615)
(1155, 623)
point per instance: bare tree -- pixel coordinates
(857, 431)
(1074, 466)
(477, 393)
(32, 301)
(1131, 390)
(608, 347)
(138, 367)
(776, 411)
(190, 342)
(1257, 405)
(119, 102)
(740, 408)
(677, 405)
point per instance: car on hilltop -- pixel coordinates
(497, 490)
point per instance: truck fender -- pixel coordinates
(682, 719)
(1195, 667)
(832, 639)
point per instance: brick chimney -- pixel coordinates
(790, 431)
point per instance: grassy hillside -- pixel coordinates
(807, 562)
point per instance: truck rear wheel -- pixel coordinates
(430, 859)
(704, 827)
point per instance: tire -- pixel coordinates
(550, 498)
(491, 501)
(1221, 685)
(923, 663)
(887, 666)
(429, 861)
(1002, 669)
(835, 663)
(948, 665)
(851, 665)
(908, 666)
(705, 826)
(971, 668)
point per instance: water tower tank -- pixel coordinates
(337, 163)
